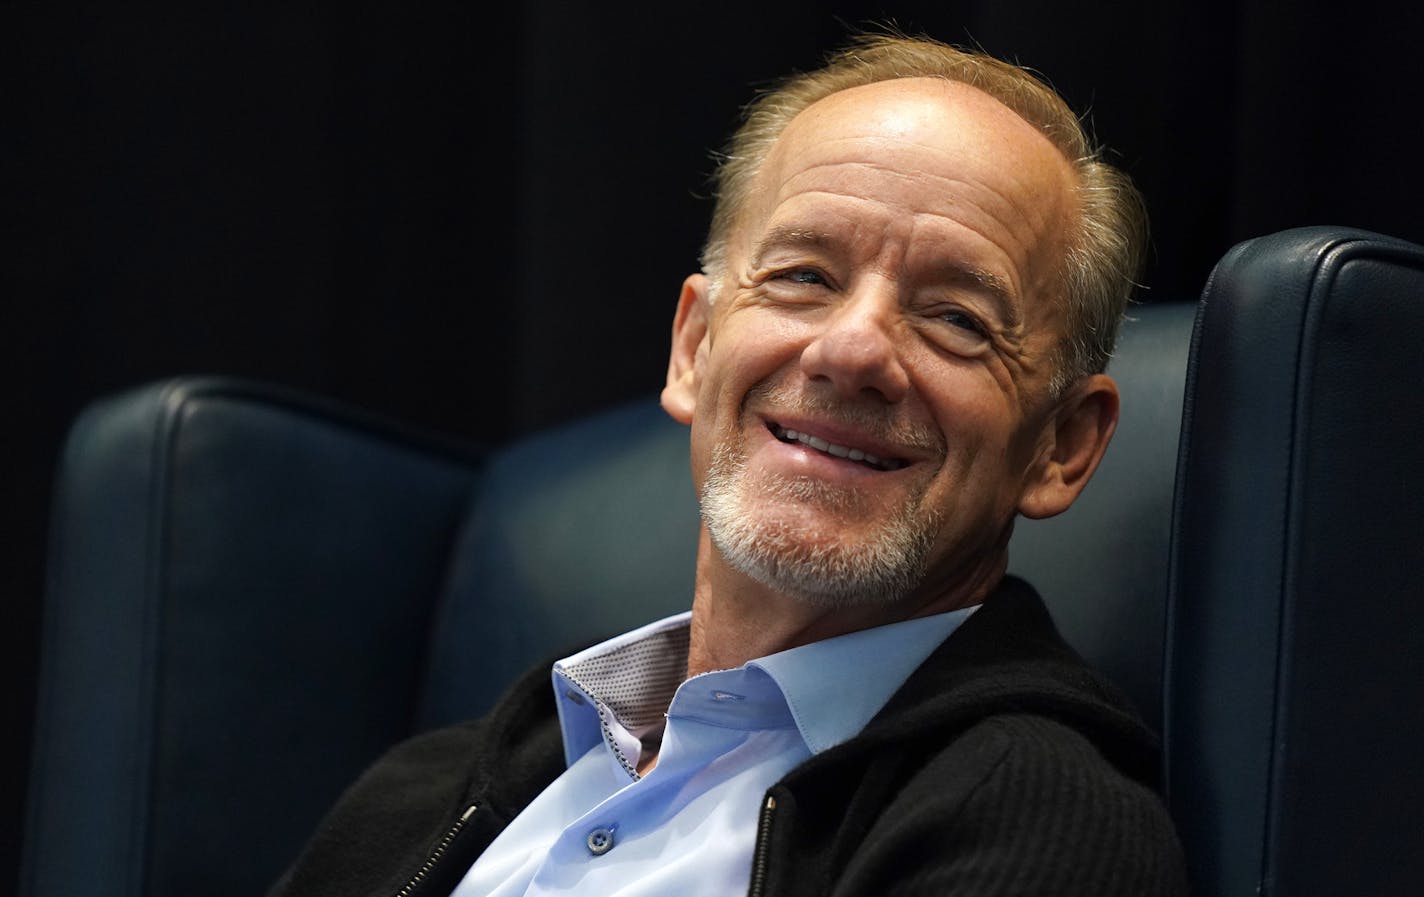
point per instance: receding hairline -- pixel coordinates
(1105, 241)
(909, 83)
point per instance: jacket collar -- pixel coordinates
(1009, 654)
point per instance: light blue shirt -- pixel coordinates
(687, 827)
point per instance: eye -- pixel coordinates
(802, 286)
(804, 276)
(962, 320)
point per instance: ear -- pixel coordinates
(689, 349)
(1075, 438)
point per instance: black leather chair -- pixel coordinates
(253, 592)
(1295, 663)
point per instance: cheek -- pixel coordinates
(988, 444)
(972, 408)
(706, 432)
(735, 370)
(716, 418)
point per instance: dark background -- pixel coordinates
(479, 221)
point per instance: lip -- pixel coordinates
(838, 434)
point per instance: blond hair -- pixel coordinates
(1104, 252)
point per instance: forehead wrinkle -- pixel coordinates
(986, 198)
(896, 171)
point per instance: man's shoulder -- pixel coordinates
(1043, 757)
(1010, 657)
(436, 755)
(1027, 798)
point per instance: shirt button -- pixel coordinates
(600, 841)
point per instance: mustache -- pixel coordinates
(884, 423)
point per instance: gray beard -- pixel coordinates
(880, 569)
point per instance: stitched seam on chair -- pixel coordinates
(175, 400)
(155, 587)
(1317, 291)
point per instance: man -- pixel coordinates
(910, 290)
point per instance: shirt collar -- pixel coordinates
(631, 677)
(832, 687)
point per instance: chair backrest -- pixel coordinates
(1295, 672)
(240, 590)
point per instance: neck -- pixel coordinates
(736, 619)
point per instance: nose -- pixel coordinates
(857, 348)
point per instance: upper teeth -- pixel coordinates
(830, 448)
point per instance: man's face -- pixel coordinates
(869, 397)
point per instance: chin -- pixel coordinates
(767, 532)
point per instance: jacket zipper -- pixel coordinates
(763, 843)
(424, 871)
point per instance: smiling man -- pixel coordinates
(896, 346)
(892, 291)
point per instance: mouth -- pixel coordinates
(843, 452)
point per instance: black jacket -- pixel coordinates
(1003, 765)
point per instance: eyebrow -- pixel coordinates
(986, 282)
(789, 238)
